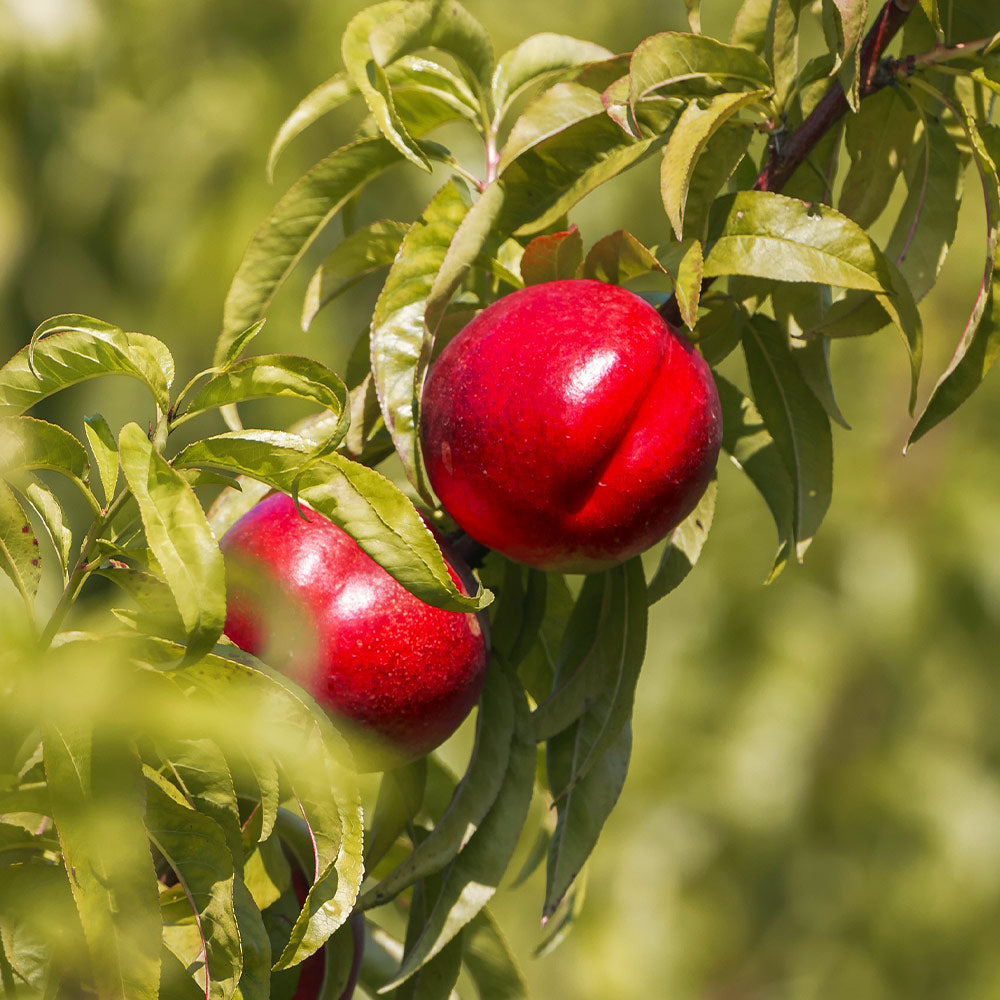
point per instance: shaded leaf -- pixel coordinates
(684, 547)
(552, 257)
(722, 154)
(797, 422)
(50, 513)
(179, 536)
(400, 796)
(491, 962)
(364, 252)
(618, 257)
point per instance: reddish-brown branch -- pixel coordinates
(785, 159)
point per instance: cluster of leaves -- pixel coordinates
(229, 772)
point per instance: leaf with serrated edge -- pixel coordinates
(687, 284)
(20, 557)
(71, 353)
(278, 245)
(97, 803)
(472, 878)
(721, 156)
(542, 58)
(397, 328)
(748, 441)
(768, 235)
(364, 252)
(473, 797)
(582, 804)
(684, 547)
(50, 513)
(687, 142)
(358, 499)
(104, 448)
(552, 257)
(194, 846)
(179, 536)
(797, 422)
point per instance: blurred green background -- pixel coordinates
(813, 809)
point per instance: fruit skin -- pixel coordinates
(401, 673)
(569, 427)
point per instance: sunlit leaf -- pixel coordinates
(552, 257)
(473, 798)
(195, 847)
(364, 252)
(722, 154)
(618, 257)
(179, 535)
(97, 802)
(688, 140)
(20, 557)
(50, 513)
(397, 328)
(768, 235)
(104, 448)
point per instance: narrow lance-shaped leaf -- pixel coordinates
(768, 235)
(97, 802)
(104, 448)
(364, 252)
(687, 142)
(980, 343)
(797, 421)
(472, 878)
(542, 58)
(194, 846)
(844, 25)
(397, 329)
(749, 443)
(296, 220)
(179, 536)
(50, 513)
(490, 961)
(684, 547)
(74, 349)
(20, 556)
(474, 795)
(619, 257)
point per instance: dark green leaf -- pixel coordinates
(179, 536)
(752, 448)
(97, 805)
(400, 796)
(194, 846)
(296, 220)
(473, 797)
(684, 547)
(689, 139)
(471, 879)
(255, 978)
(71, 349)
(797, 422)
(397, 329)
(552, 257)
(491, 962)
(362, 253)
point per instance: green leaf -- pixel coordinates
(751, 446)
(364, 252)
(278, 245)
(50, 513)
(179, 536)
(490, 961)
(20, 557)
(436, 978)
(781, 47)
(694, 15)
(286, 376)
(722, 154)
(672, 56)
(844, 26)
(255, 977)
(539, 59)
(797, 422)
(619, 257)
(695, 128)
(27, 444)
(552, 256)
(768, 235)
(97, 805)
(684, 547)
(583, 802)
(104, 448)
(880, 140)
(67, 350)
(469, 882)
(687, 282)
(195, 847)
(473, 797)
(397, 329)
(400, 796)
(358, 499)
